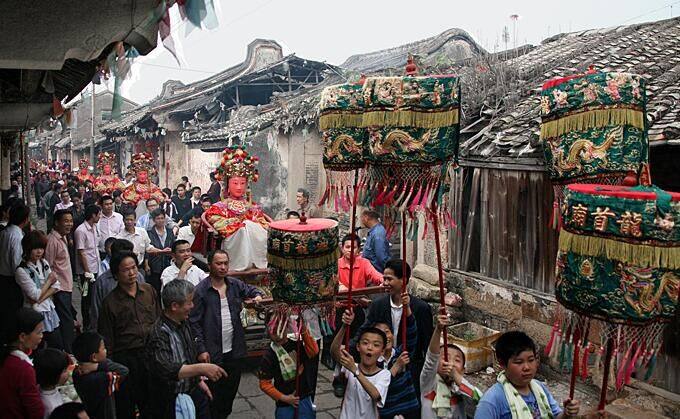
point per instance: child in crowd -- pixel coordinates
(517, 394)
(96, 378)
(106, 262)
(70, 410)
(279, 365)
(444, 390)
(367, 383)
(402, 399)
(51, 370)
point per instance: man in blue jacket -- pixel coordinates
(216, 324)
(377, 247)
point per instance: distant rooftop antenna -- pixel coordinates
(514, 18)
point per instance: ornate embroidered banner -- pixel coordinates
(303, 260)
(593, 125)
(619, 253)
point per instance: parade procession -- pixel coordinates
(471, 213)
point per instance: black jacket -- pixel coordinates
(96, 389)
(380, 312)
(206, 317)
(215, 192)
(161, 261)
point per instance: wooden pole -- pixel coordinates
(605, 377)
(442, 303)
(352, 249)
(404, 285)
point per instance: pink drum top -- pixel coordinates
(313, 224)
(618, 191)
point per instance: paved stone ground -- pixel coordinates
(252, 403)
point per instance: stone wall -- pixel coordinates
(503, 306)
(301, 157)
(270, 190)
(183, 161)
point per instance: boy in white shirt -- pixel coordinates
(51, 370)
(367, 383)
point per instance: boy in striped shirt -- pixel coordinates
(444, 390)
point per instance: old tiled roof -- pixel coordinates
(453, 44)
(284, 113)
(127, 120)
(651, 50)
(437, 54)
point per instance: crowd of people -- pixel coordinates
(158, 332)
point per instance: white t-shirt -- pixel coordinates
(185, 233)
(396, 318)
(61, 206)
(194, 274)
(51, 399)
(357, 403)
(140, 241)
(227, 327)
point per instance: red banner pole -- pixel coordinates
(574, 362)
(442, 303)
(405, 284)
(605, 377)
(352, 250)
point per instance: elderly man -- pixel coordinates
(302, 199)
(125, 333)
(171, 355)
(182, 266)
(216, 323)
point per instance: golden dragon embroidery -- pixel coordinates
(640, 292)
(398, 139)
(583, 151)
(341, 141)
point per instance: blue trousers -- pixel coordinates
(305, 410)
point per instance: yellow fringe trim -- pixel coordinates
(292, 264)
(641, 255)
(396, 118)
(596, 118)
(340, 120)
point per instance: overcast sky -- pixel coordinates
(331, 31)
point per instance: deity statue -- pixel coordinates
(84, 171)
(108, 181)
(242, 223)
(142, 189)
